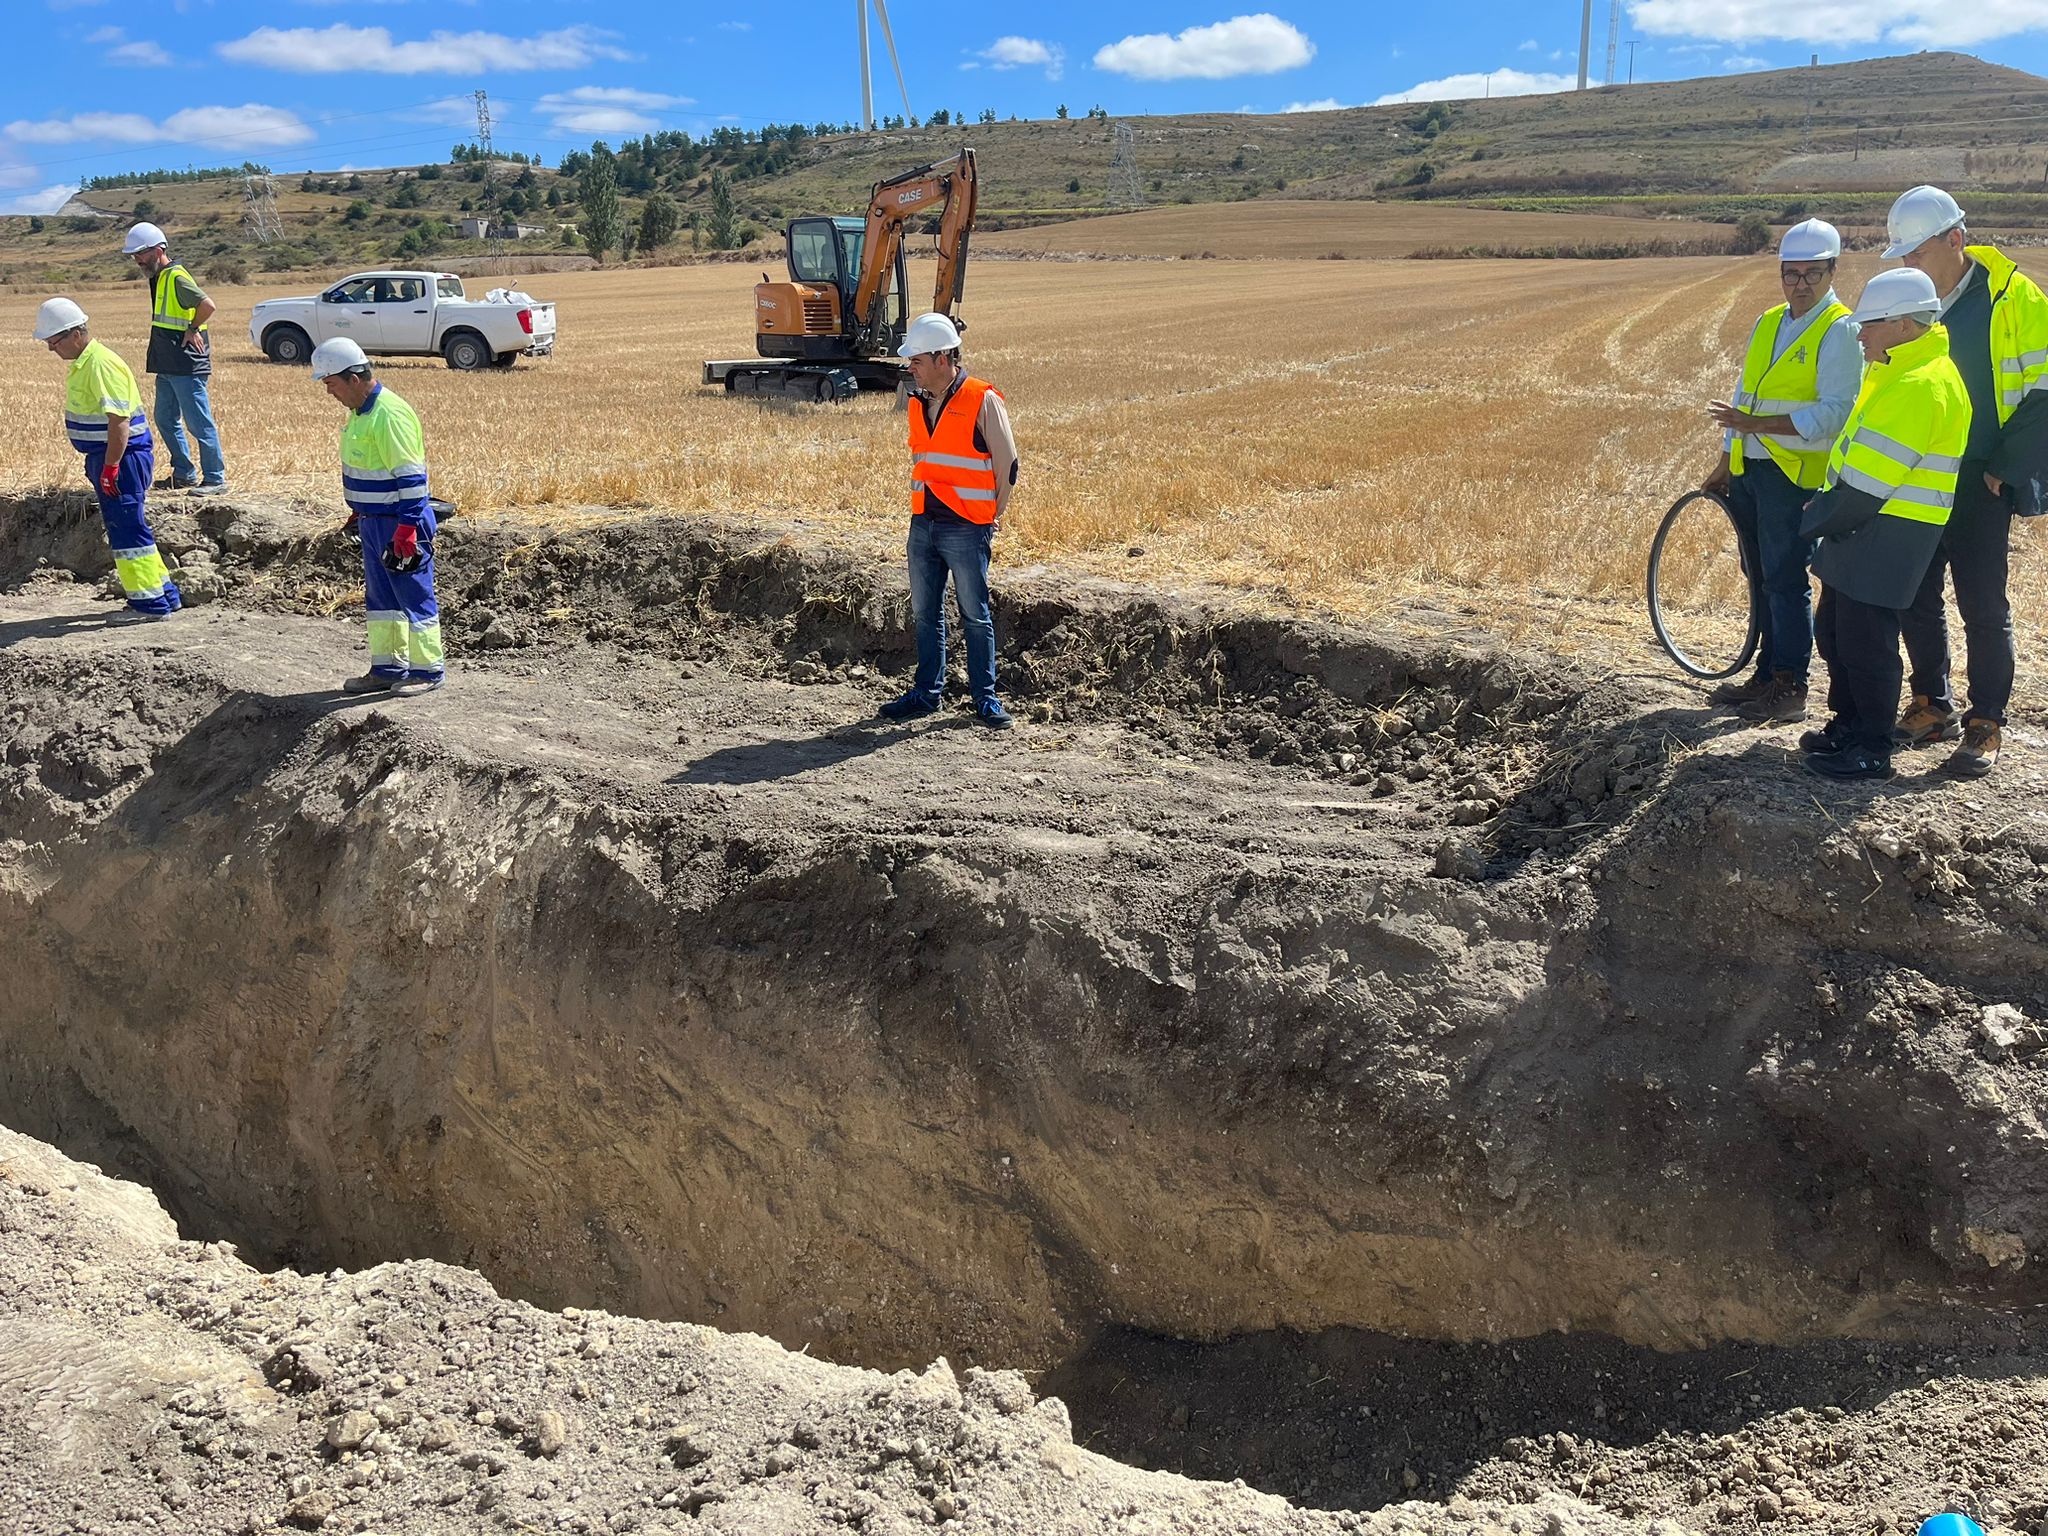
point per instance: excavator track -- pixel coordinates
(821, 383)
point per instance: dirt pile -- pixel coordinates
(1273, 975)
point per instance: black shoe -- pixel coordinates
(1827, 739)
(176, 484)
(1851, 762)
(913, 705)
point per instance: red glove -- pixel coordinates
(110, 479)
(405, 541)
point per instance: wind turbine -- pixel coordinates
(867, 80)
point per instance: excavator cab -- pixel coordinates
(811, 315)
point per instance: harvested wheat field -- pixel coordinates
(1340, 431)
(1270, 230)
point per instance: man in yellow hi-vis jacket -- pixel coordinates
(1889, 486)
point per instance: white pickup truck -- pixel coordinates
(419, 314)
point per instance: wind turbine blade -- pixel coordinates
(882, 11)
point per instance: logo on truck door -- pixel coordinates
(905, 198)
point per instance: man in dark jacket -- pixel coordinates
(1997, 323)
(1889, 487)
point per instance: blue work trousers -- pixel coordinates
(144, 578)
(1768, 505)
(405, 621)
(942, 543)
(184, 395)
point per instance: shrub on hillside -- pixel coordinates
(1752, 234)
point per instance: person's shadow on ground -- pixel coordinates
(765, 761)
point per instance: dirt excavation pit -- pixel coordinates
(1360, 1061)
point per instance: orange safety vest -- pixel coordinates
(944, 459)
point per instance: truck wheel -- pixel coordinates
(504, 359)
(286, 344)
(466, 351)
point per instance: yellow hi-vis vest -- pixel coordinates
(164, 308)
(1782, 387)
(1904, 441)
(2019, 329)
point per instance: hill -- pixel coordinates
(1848, 134)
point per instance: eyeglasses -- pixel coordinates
(1806, 276)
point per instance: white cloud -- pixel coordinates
(86, 127)
(48, 200)
(1740, 62)
(735, 26)
(1528, 45)
(246, 127)
(1501, 82)
(1327, 104)
(342, 49)
(1916, 23)
(1026, 53)
(1244, 45)
(597, 109)
(120, 50)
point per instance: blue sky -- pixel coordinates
(328, 84)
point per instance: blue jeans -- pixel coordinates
(1768, 505)
(939, 544)
(183, 395)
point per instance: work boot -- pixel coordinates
(1851, 762)
(1741, 693)
(910, 707)
(210, 488)
(1978, 754)
(1829, 738)
(137, 616)
(1924, 723)
(370, 682)
(176, 483)
(408, 687)
(1783, 698)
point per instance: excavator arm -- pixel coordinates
(891, 207)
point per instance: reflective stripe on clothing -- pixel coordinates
(98, 385)
(946, 462)
(2019, 329)
(1778, 381)
(384, 458)
(1904, 441)
(166, 308)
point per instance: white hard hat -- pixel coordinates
(1917, 217)
(337, 355)
(56, 317)
(1814, 240)
(929, 333)
(1900, 291)
(141, 237)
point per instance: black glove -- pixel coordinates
(405, 554)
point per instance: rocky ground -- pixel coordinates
(1276, 984)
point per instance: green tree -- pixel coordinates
(357, 212)
(723, 225)
(658, 222)
(597, 191)
(144, 208)
(1060, 112)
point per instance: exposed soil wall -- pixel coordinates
(1272, 975)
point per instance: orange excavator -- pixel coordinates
(833, 328)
